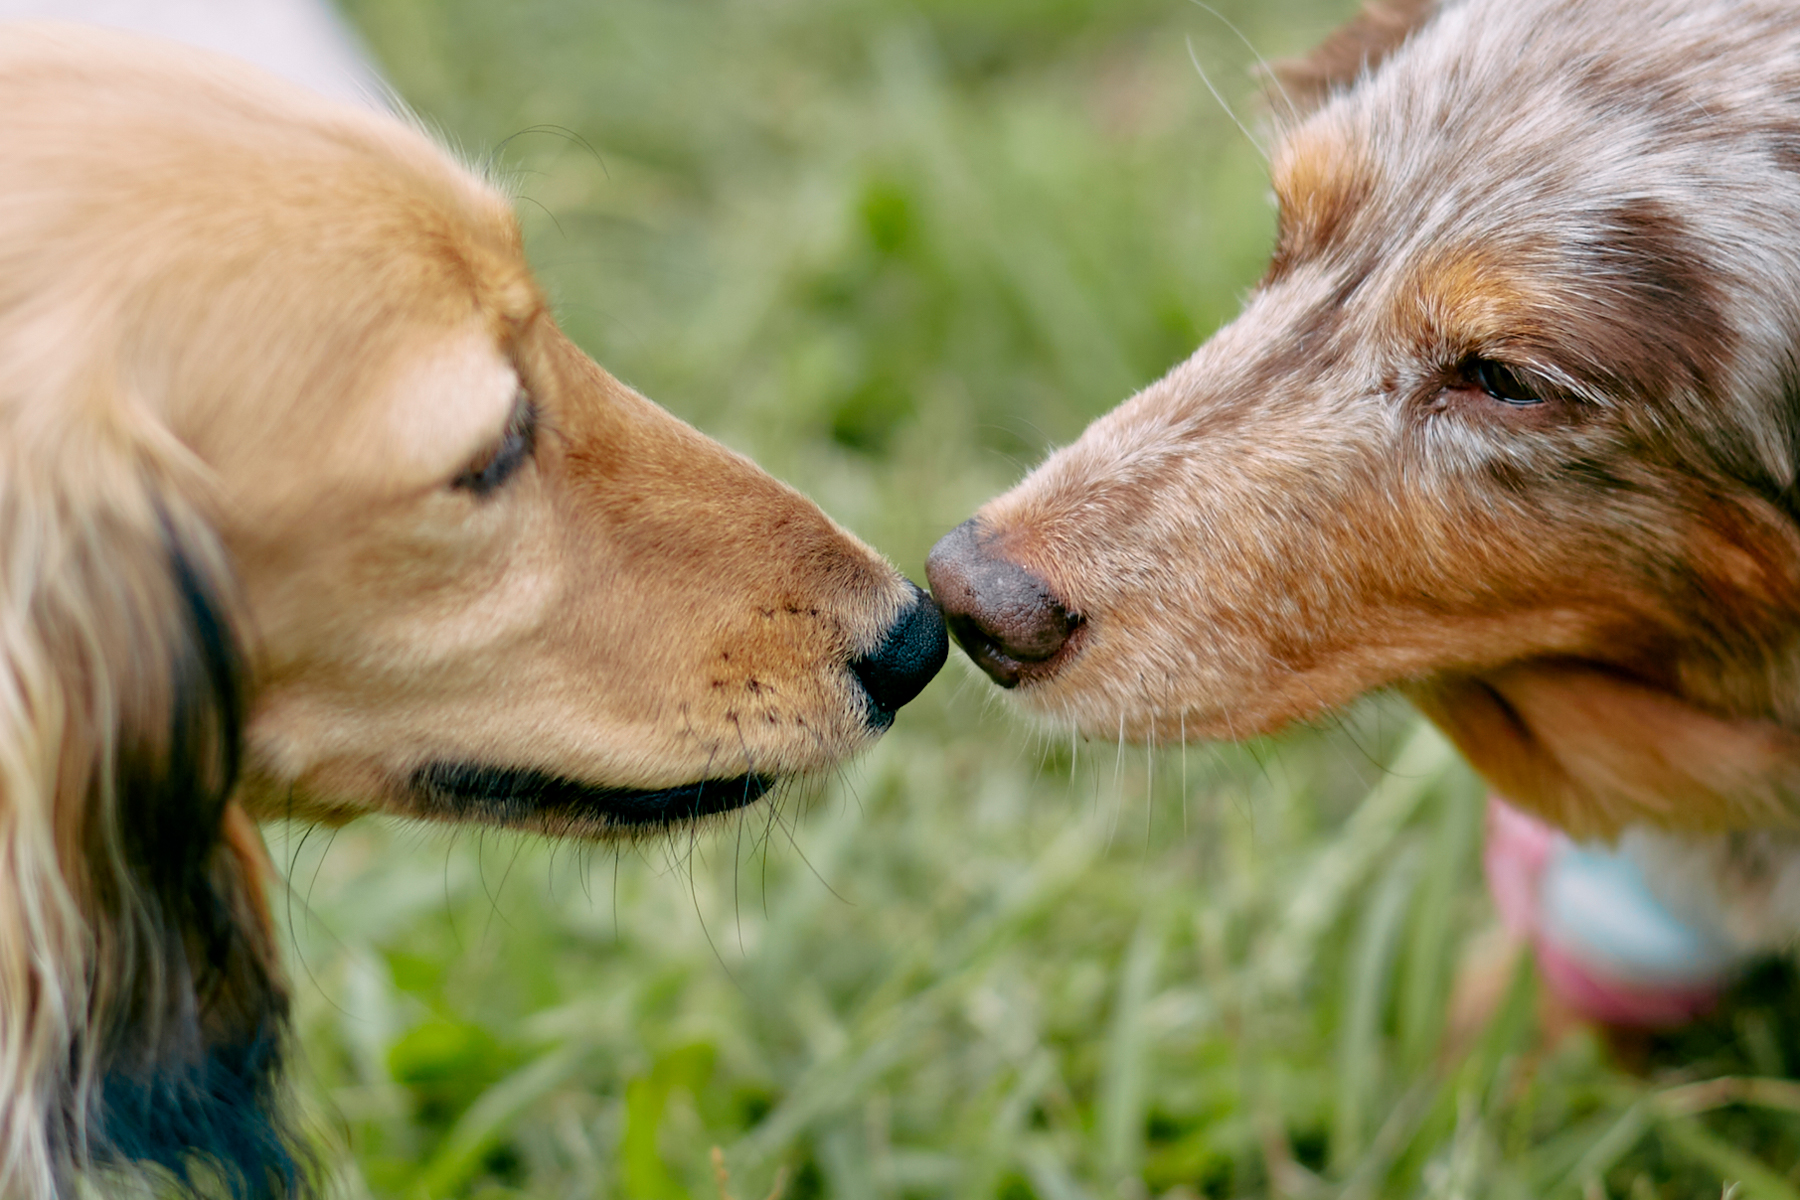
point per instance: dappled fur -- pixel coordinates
(259, 357)
(1594, 590)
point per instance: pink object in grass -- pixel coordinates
(1606, 947)
(1624, 1004)
(1518, 846)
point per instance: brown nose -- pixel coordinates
(1003, 616)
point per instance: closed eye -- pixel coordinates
(514, 449)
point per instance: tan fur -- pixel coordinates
(258, 335)
(1320, 180)
(1594, 590)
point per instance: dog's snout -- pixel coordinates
(1003, 616)
(911, 651)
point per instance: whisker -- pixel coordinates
(293, 864)
(699, 915)
(1149, 786)
(312, 917)
(1118, 789)
(1194, 58)
(540, 205)
(449, 909)
(794, 842)
(1293, 110)
(518, 847)
(768, 836)
(1184, 775)
(317, 867)
(737, 867)
(618, 853)
(563, 131)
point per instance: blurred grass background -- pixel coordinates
(895, 249)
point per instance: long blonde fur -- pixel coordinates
(307, 508)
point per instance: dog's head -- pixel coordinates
(1510, 422)
(307, 508)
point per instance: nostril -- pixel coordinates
(1003, 616)
(911, 651)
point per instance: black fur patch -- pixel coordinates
(191, 1041)
(214, 1118)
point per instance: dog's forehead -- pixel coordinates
(1544, 158)
(1502, 112)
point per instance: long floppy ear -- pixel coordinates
(141, 1017)
(1379, 29)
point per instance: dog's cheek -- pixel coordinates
(1746, 555)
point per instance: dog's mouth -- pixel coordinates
(532, 799)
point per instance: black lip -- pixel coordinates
(536, 799)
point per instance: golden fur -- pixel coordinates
(308, 509)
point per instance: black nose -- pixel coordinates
(911, 652)
(1005, 617)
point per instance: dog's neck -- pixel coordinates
(1594, 750)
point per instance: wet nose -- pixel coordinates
(911, 652)
(1002, 615)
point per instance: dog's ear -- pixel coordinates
(1379, 29)
(141, 1017)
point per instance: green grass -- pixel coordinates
(895, 251)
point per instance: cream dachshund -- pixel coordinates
(307, 509)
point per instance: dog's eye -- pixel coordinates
(1501, 382)
(512, 451)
